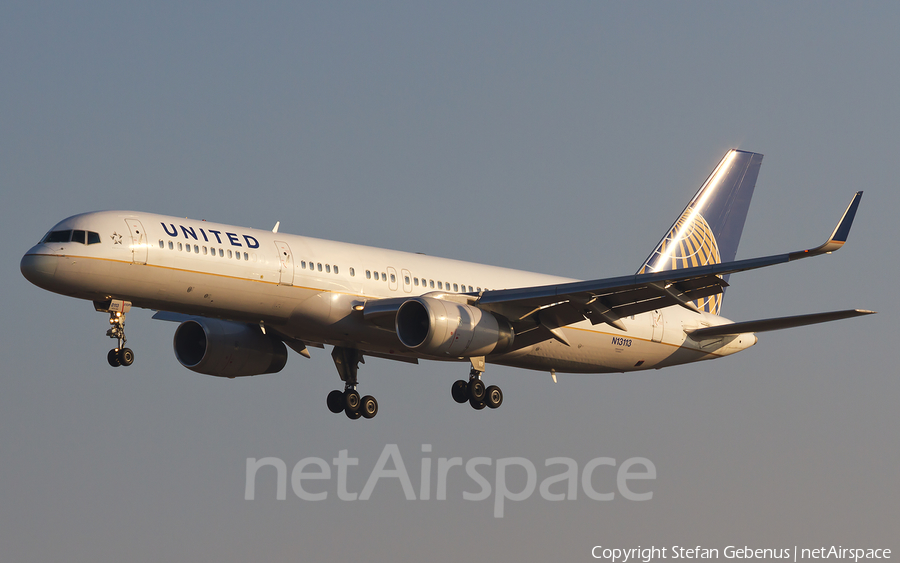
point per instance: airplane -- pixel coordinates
(243, 296)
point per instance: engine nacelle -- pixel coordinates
(227, 349)
(444, 328)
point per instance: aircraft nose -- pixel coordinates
(39, 269)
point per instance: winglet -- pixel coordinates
(838, 237)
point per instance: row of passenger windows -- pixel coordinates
(211, 251)
(320, 267)
(428, 284)
(383, 276)
(328, 267)
(84, 237)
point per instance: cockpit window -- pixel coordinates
(58, 236)
(83, 237)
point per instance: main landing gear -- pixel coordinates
(348, 401)
(474, 392)
(120, 355)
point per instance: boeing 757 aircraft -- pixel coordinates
(242, 295)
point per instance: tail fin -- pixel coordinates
(709, 229)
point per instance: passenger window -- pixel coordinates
(393, 278)
(204, 251)
(440, 285)
(171, 245)
(246, 256)
(352, 273)
(431, 283)
(162, 244)
(180, 248)
(470, 289)
(196, 249)
(222, 253)
(383, 276)
(229, 253)
(336, 270)
(94, 238)
(416, 281)
(455, 288)
(327, 268)
(319, 265)
(368, 274)
(406, 280)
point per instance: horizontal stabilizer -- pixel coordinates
(774, 324)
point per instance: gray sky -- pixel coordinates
(563, 139)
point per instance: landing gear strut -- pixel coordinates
(474, 392)
(348, 401)
(120, 355)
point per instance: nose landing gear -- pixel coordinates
(120, 355)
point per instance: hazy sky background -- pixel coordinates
(562, 138)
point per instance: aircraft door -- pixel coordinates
(287, 263)
(657, 325)
(392, 278)
(407, 280)
(139, 242)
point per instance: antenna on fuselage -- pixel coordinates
(275, 228)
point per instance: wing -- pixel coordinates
(542, 310)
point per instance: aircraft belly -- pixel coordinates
(328, 317)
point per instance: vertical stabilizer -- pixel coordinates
(709, 229)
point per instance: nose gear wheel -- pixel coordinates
(120, 355)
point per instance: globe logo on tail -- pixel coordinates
(688, 244)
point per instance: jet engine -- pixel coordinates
(444, 328)
(227, 349)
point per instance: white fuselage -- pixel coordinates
(311, 290)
